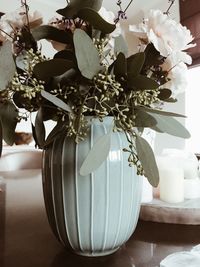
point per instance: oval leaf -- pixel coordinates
(143, 119)
(120, 45)
(171, 100)
(39, 129)
(56, 101)
(86, 54)
(75, 5)
(52, 33)
(155, 128)
(120, 66)
(66, 54)
(147, 159)
(153, 57)
(161, 112)
(171, 126)
(9, 119)
(44, 71)
(7, 64)
(141, 82)
(97, 155)
(135, 63)
(164, 94)
(63, 78)
(94, 19)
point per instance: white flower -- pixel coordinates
(177, 74)
(166, 34)
(109, 16)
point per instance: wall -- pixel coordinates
(135, 15)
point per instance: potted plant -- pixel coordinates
(101, 99)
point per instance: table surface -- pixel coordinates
(27, 241)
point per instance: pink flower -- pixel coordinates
(177, 74)
(167, 35)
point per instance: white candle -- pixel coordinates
(190, 169)
(192, 188)
(147, 191)
(172, 185)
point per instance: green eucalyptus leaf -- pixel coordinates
(147, 159)
(141, 82)
(168, 124)
(94, 19)
(75, 5)
(66, 54)
(63, 78)
(52, 33)
(46, 70)
(153, 57)
(27, 39)
(143, 119)
(161, 112)
(9, 118)
(86, 54)
(120, 45)
(39, 128)
(164, 94)
(7, 65)
(120, 66)
(135, 63)
(56, 101)
(171, 100)
(155, 128)
(97, 155)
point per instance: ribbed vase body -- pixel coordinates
(95, 214)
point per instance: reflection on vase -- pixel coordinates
(118, 259)
(2, 219)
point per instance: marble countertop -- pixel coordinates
(27, 241)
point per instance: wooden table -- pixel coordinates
(27, 241)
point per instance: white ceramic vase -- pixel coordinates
(95, 214)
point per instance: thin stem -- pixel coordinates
(7, 34)
(174, 66)
(128, 5)
(120, 12)
(172, 2)
(119, 3)
(24, 3)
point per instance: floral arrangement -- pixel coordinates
(92, 74)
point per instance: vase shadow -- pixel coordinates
(69, 259)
